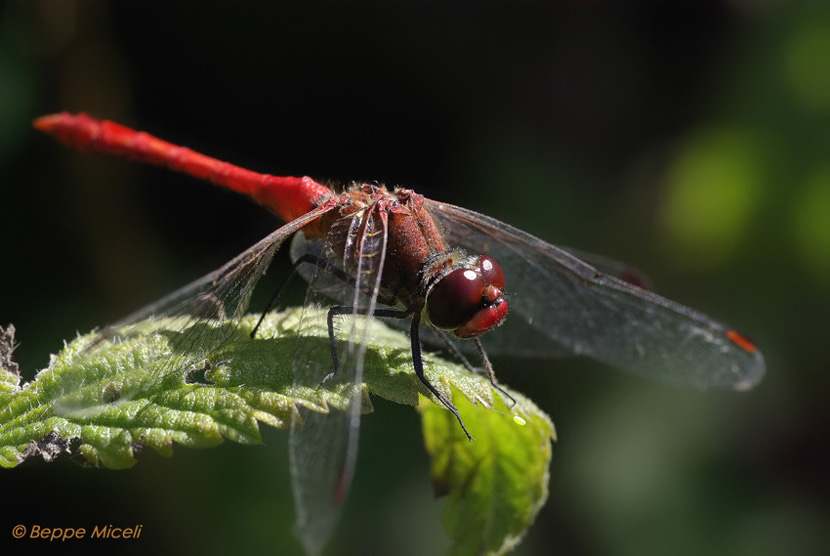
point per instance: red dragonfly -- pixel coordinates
(396, 254)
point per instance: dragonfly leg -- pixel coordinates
(271, 303)
(466, 362)
(456, 352)
(309, 258)
(344, 310)
(274, 296)
(419, 370)
(333, 312)
(417, 362)
(491, 373)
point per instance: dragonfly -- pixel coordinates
(397, 255)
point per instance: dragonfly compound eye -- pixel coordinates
(491, 272)
(467, 301)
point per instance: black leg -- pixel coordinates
(271, 303)
(307, 258)
(417, 362)
(455, 351)
(491, 373)
(387, 313)
(419, 370)
(487, 365)
(334, 311)
(343, 310)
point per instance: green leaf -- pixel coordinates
(496, 483)
(9, 373)
(101, 400)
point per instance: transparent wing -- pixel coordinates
(551, 347)
(617, 269)
(196, 319)
(323, 446)
(559, 302)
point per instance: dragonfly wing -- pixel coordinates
(195, 320)
(556, 301)
(323, 446)
(617, 269)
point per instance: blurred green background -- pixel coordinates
(692, 142)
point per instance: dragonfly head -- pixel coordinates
(468, 300)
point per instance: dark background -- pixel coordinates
(692, 142)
